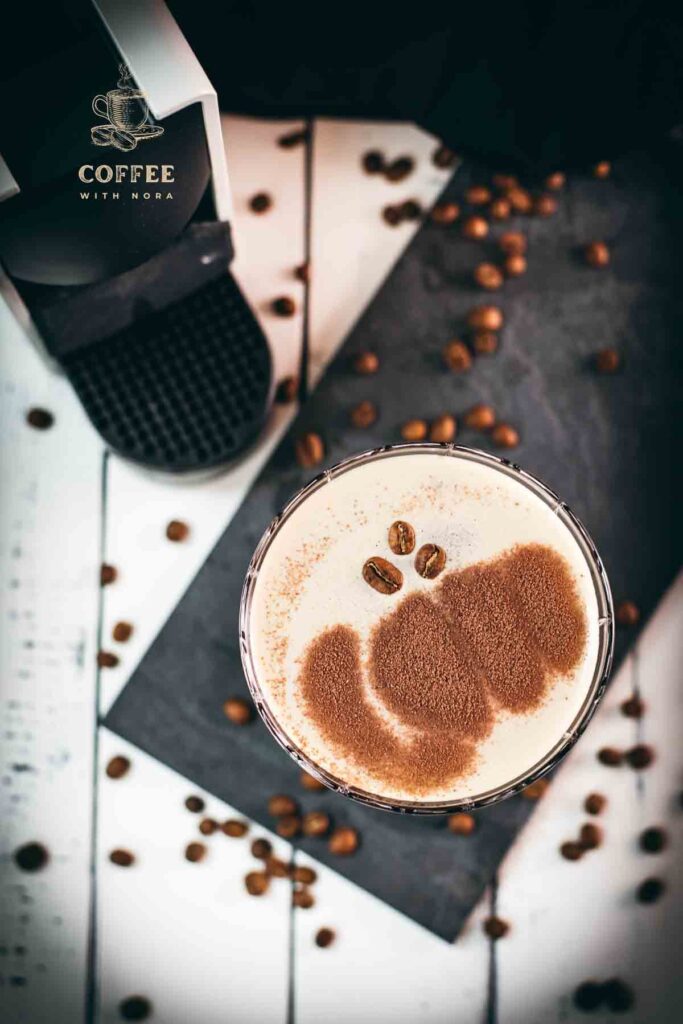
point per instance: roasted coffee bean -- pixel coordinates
(514, 266)
(411, 210)
(261, 849)
(485, 318)
(366, 363)
(363, 415)
(304, 875)
(535, 790)
(480, 417)
(571, 850)
(500, 208)
(39, 419)
(627, 613)
(520, 200)
(399, 168)
(602, 170)
(122, 858)
(545, 206)
(256, 883)
(607, 360)
(596, 254)
(207, 826)
(430, 561)
(324, 937)
(31, 857)
(310, 782)
(276, 868)
(504, 435)
(444, 158)
(303, 272)
(488, 276)
(293, 139)
(382, 576)
(650, 890)
(303, 899)
(106, 659)
(373, 162)
(194, 804)
(590, 836)
(496, 927)
(641, 756)
(401, 537)
(633, 707)
(177, 531)
(478, 195)
(653, 839)
(310, 450)
(445, 213)
(555, 181)
(284, 305)
(108, 574)
(595, 803)
(457, 356)
(234, 828)
(288, 826)
(261, 202)
(588, 995)
(414, 430)
(485, 343)
(238, 710)
(392, 215)
(475, 228)
(117, 767)
(461, 824)
(343, 842)
(316, 823)
(617, 995)
(513, 243)
(135, 1008)
(442, 429)
(122, 632)
(281, 804)
(504, 182)
(194, 852)
(610, 756)
(287, 390)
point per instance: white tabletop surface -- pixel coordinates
(82, 934)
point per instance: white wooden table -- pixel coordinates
(82, 934)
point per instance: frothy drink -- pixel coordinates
(427, 627)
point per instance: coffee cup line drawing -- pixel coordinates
(126, 114)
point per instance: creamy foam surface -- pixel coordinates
(310, 580)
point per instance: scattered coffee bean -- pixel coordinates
(478, 195)
(31, 857)
(617, 995)
(304, 875)
(324, 937)
(596, 254)
(177, 531)
(261, 849)
(514, 266)
(513, 243)
(363, 415)
(505, 436)
(633, 707)
(343, 842)
(571, 850)
(108, 574)
(444, 158)
(480, 417)
(401, 538)
(475, 228)
(588, 995)
(457, 358)
(555, 181)
(261, 202)
(445, 213)
(650, 890)
(485, 343)
(414, 430)
(122, 632)
(382, 576)
(276, 868)
(303, 899)
(545, 206)
(399, 169)
(430, 561)
(607, 360)
(207, 826)
(488, 276)
(310, 782)
(485, 318)
(653, 839)
(122, 858)
(281, 804)
(293, 139)
(234, 828)
(194, 852)
(602, 170)
(627, 613)
(496, 927)
(461, 824)
(373, 162)
(287, 390)
(316, 823)
(392, 215)
(610, 756)
(117, 767)
(500, 208)
(106, 659)
(442, 429)
(303, 272)
(594, 803)
(288, 826)
(238, 710)
(520, 200)
(135, 1008)
(310, 450)
(535, 790)
(641, 756)
(366, 363)
(194, 804)
(256, 883)
(411, 210)
(504, 182)
(39, 419)
(284, 305)
(590, 836)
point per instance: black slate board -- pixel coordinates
(606, 444)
